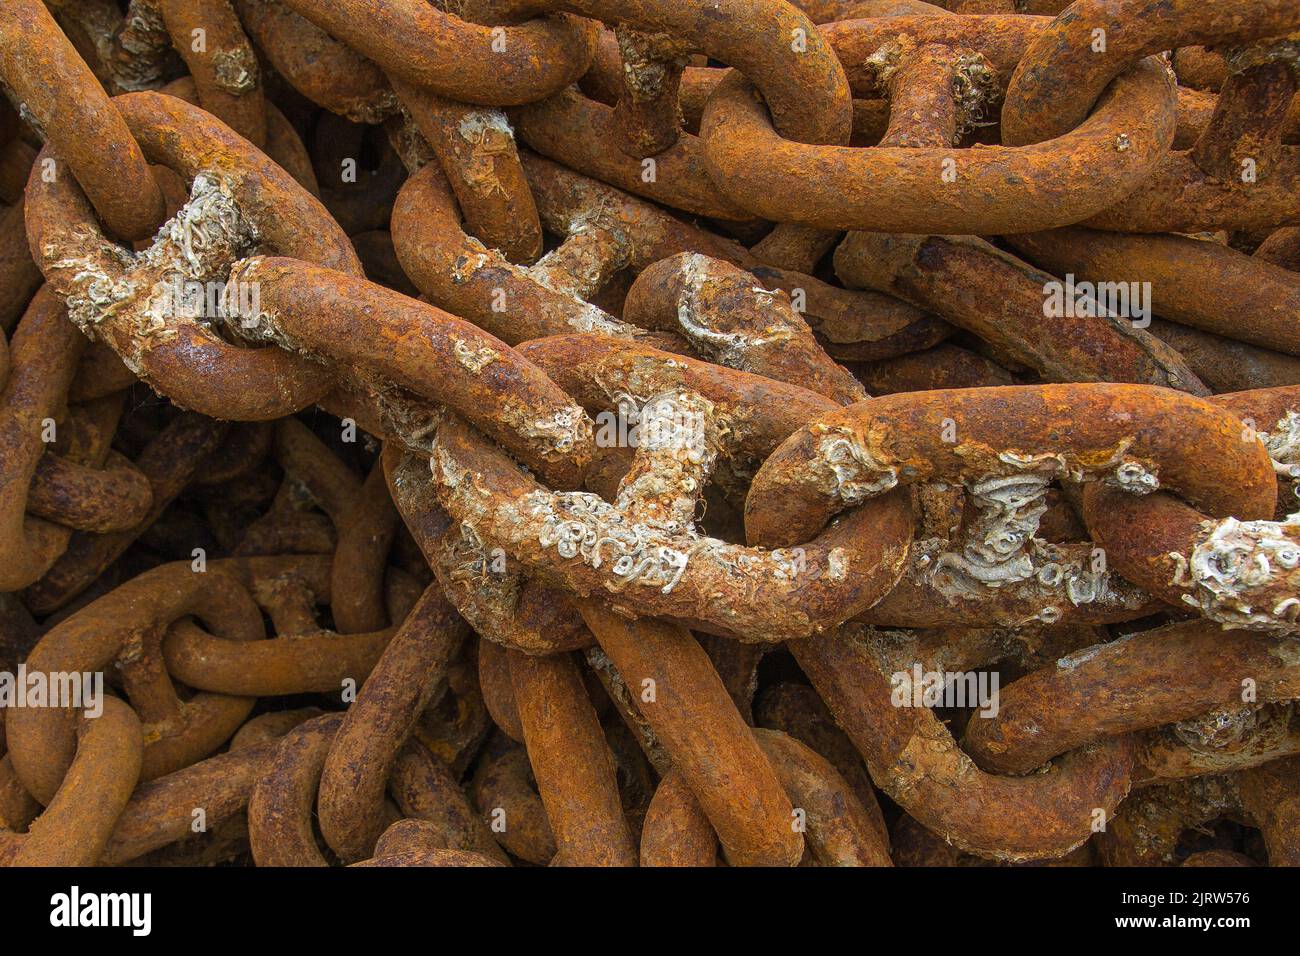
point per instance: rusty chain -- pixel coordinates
(649, 432)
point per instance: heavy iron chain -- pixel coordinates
(641, 431)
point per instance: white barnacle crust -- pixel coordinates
(675, 424)
(852, 472)
(735, 349)
(995, 547)
(255, 326)
(583, 264)
(1247, 573)
(466, 265)
(676, 450)
(198, 244)
(236, 70)
(410, 417)
(488, 133)
(1221, 730)
(1283, 444)
(1085, 654)
(143, 42)
(630, 550)
(594, 319)
(579, 524)
(206, 235)
(484, 595)
(485, 125)
(885, 61)
(1052, 464)
(97, 285)
(1000, 550)
(1135, 477)
(837, 564)
(471, 358)
(567, 428)
(552, 436)
(975, 90)
(588, 317)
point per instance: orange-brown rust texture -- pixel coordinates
(112, 498)
(609, 457)
(319, 67)
(1147, 829)
(914, 759)
(379, 722)
(431, 857)
(1239, 569)
(44, 349)
(1249, 118)
(583, 134)
(1216, 742)
(16, 158)
(1083, 431)
(648, 117)
(1190, 280)
(1224, 364)
(1218, 858)
(839, 830)
(66, 102)
(479, 485)
(1002, 39)
(924, 105)
(498, 689)
(760, 412)
(677, 832)
(415, 842)
(476, 149)
(282, 142)
(126, 625)
(943, 366)
(1062, 73)
(424, 789)
(650, 235)
(1143, 680)
(571, 761)
(732, 320)
(1006, 302)
(797, 71)
(993, 189)
(161, 812)
(19, 277)
(299, 660)
(1269, 796)
(79, 817)
(796, 710)
(506, 797)
(1179, 197)
(1196, 110)
(1281, 248)
(364, 539)
(421, 348)
(459, 273)
(464, 61)
(236, 187)
(222, 63)
(712, 747)
(168, 462)
(280, 829)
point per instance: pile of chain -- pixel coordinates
(661, 432)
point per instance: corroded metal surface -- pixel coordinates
(462, 433)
